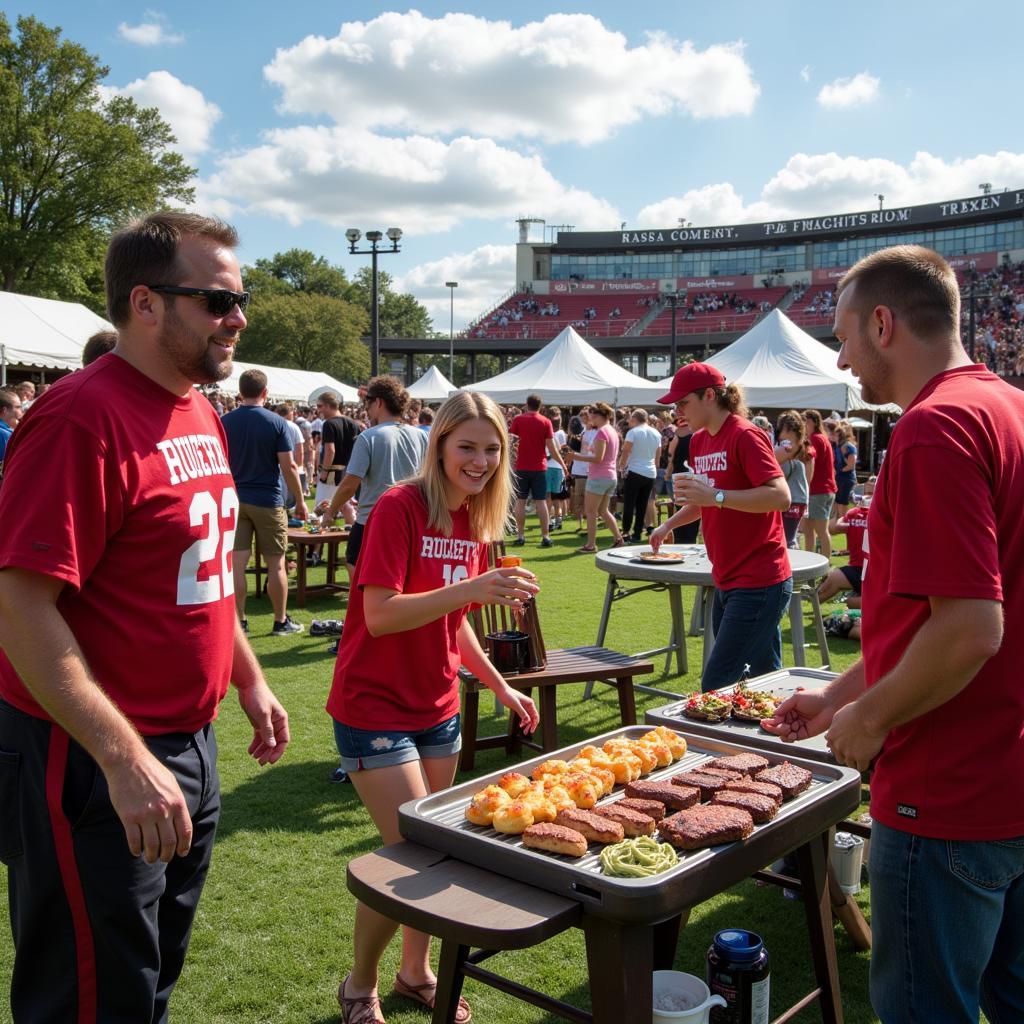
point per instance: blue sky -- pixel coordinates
(306, 118)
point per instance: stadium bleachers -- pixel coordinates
(816, 307)
(705, 311)
(999, 319)
(537, 316)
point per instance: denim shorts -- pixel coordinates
(601, 486)
(379, 748)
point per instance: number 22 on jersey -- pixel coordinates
(213, 543)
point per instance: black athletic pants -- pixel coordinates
(99, 935)
(636, 492)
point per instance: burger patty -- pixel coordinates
(706, 825)
(790, 778)
(746, 785)
(747, 764)
(652, 808)
(721, 773)
(676, 797)
(708, 785)
(761, 808)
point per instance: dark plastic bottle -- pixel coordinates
(738, 971)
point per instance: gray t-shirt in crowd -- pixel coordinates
(796, 476)
(646, 443)
(382, 456)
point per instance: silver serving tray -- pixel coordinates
(438, 821)
(784, 682)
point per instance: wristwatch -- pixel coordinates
(720, 499)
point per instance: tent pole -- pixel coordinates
(3, 365)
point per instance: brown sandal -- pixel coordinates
(415, 992)
(359, 1009)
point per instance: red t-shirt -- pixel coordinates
(823, 479)
(747, 549)
(533, 430)
(956, 772)
(122, 490)
(856, 522)
(404, 680)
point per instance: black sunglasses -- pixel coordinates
(219, 301)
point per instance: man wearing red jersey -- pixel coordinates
(536, 446)
(119, 638)
(936, 703)
(738, 492)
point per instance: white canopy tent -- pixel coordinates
(287, 385)
(433, 386)
(780, 367)
(44, 334)
(569, 371)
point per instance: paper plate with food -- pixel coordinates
(660, 557)
(708, 707)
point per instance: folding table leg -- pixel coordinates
(620, 959)
(675, 604)
(449, 981)
(812, 861)
(602, 629)
(819, 629)
(470, 713)
(796, 626)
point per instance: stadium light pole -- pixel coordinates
(880, 198)
(451, 286)
(374, 238)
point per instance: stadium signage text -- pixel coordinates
(999, 204)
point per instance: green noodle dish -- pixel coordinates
(638, 858)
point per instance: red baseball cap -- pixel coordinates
(692, 377)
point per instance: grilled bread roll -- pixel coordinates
(513, 818)
(514, 783)
(483, 805)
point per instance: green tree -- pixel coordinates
(71, 166)
(307, 332)
(401, 316)
(296, 270)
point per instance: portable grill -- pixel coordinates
(438, 821)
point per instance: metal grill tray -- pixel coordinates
(438, 821)
(784, 682)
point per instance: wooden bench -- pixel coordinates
(565, 665)
(467, 908)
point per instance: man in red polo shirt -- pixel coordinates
(937, 703)
(119, 637)
(536, 445)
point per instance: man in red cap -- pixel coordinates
(738, 492)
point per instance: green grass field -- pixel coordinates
(273, 934)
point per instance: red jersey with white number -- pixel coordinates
(407, 680)
(122, 490)
(747, 549)
(533, 431)
(956, 772)
(823, 478)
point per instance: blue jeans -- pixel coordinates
(947, 920)
(746, 624)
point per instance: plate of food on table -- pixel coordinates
(660, 557)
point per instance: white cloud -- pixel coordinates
(829, 183)
(340, 176)
(190, 115)
(845, 93)
(151, 32)
(482, 275)
(805, 73)
(566, 78)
